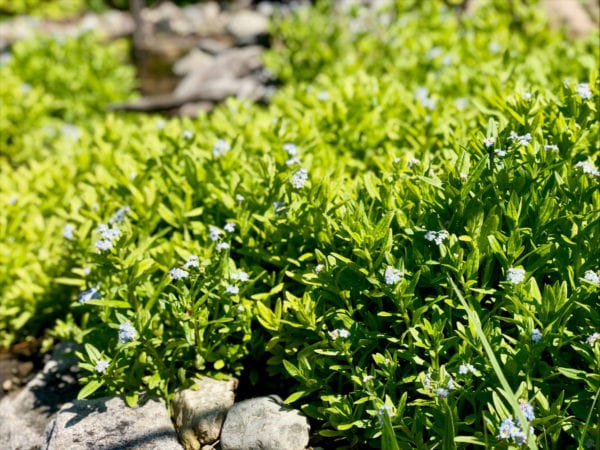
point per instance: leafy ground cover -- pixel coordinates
(406, 238)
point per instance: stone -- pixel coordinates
(25, 415)
(233, 63)
(199, 413)
(264, 423)
(196, 60)
(248, 27)
(108, 423)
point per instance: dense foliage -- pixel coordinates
(406, 236)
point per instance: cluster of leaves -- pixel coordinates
(409, 244)
(47, 86)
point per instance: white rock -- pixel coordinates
(195, 60)
(264, 423)
(248, 27)
(110, 423)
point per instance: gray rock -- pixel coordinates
(199, 413)
(25, 415)
(196, 60)
(264, 423)
(108, 423)
(248, 27)
(233, 63)
(213, 46)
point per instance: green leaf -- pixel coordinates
(89, 389)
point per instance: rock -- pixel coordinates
(199, 413)
(196, 60)
(571, 14)
(233, 63)
(248, 27)
(213, 46)
(264, 423)
(110, 424)
(24, 416)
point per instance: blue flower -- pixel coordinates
(119, 216)
(536, 335)
(584, 91)
(527, 409)
(441, 392)
(299, 178)
(68, 231)
(221, 147)
(466, 368)
(229, 227)
(178, 274)
(101, 366)
(515, 275)
(192, 261)
(127, 332)
(90, 294)
(392, 275)
(505, 428)
(232, 289)
(103, 245)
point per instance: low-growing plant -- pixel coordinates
(414, 271)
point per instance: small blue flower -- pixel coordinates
(213, 233)
(68, 231)
(240, 276)
(592, 277)
(232, 289)
(527, 409)
(489, 141)
(592, 338)
(103, 245)
(339, 333)
(299, 178)
(392, 275)
(221, 147)
(229, 227)
(437, 236)
(101, 366)
(384, 410)
(178, 274)
(127, 332)
(441, 392)
(466, 368)
(119, 216)
(584, 91)
(515, 275)
(505, 428)
(192, 261)
(222, 246)
(290, 148)
(90, 294)
(536, 335)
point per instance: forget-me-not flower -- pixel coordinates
(220, 148)
(592, 338)
(178, 274)
(229, 227)
(299, 178)
(232, 289)
(392, 275)
(584, 91)
(221, 246)
(213, 233)
(516, 275)
(127, 332)
(466, 368)
(192, 261)
(68, 231)
(101, 366)
(91, 294)
(536, 335)
(339, 333)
